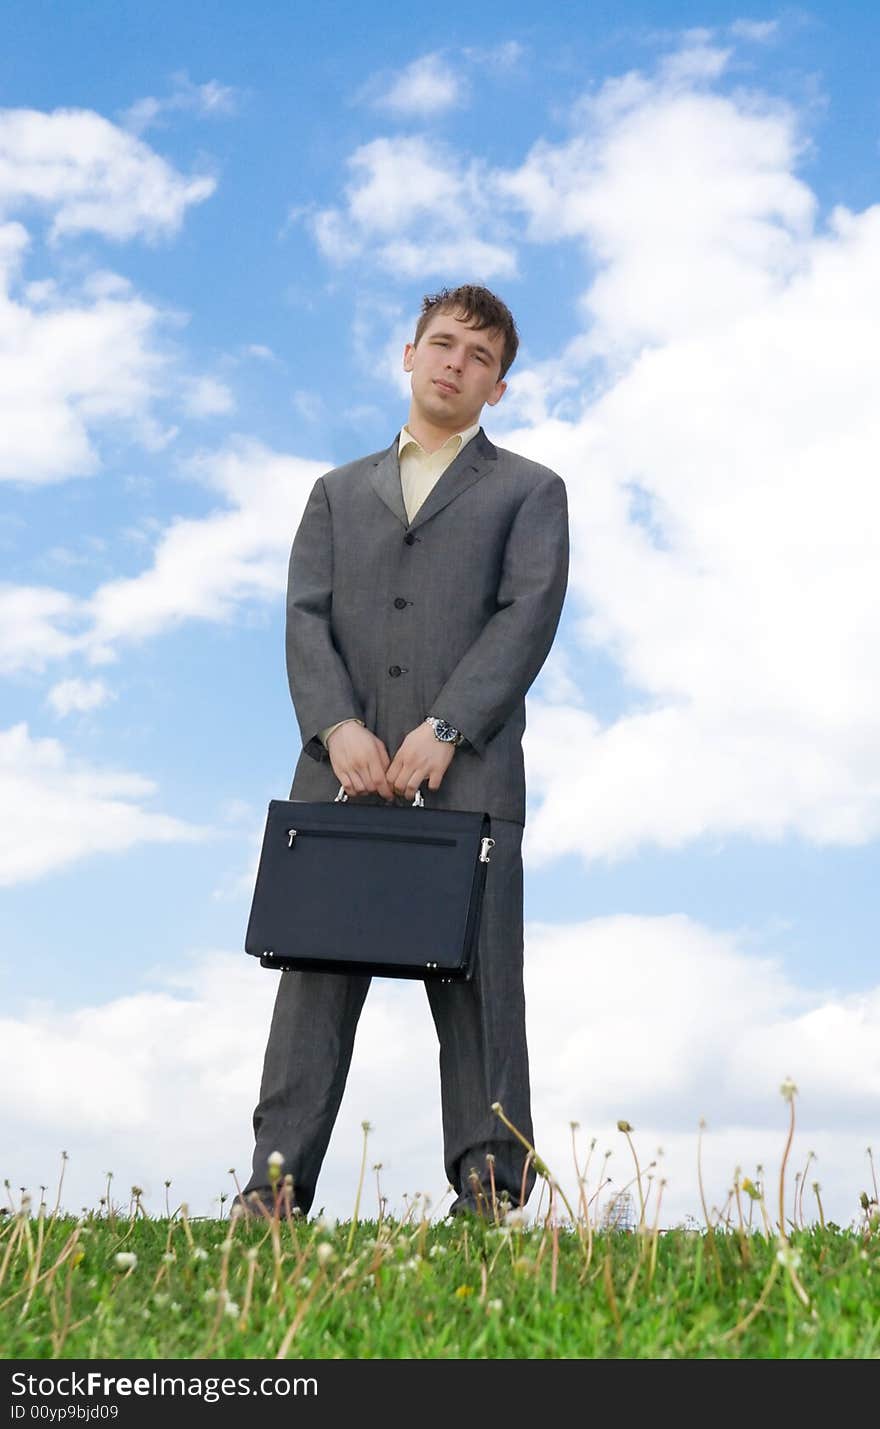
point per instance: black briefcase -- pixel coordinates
(386, 890)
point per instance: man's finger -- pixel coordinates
(381, 782)
(357, 781)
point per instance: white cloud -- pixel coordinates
(686, 200)
(207, 101)
(416, 210)
(78, 695)
(494, 58)
(58, 810)
(380, 332)
(32, 627)
(309, 405)
(207, 397)
(658, 1021)
(91, 176)
(69, 365)
(429, 85)
(721, 480)
(760, 31)
(203, 568)
(698, 60)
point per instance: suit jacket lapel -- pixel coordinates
(472, 463)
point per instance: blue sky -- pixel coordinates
(216, 227)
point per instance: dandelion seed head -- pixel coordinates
(788, 1256)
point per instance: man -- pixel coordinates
(425, 588)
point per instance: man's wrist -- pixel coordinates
(445, 732)
(325, 734)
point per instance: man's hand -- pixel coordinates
(421, 756)
(359, 760)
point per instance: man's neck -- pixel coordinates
(430, 437)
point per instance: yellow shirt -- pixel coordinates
(419, 473)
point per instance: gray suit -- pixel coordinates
(452, 614)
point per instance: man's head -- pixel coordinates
(464, 343)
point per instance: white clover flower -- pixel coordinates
(275, 1159)
(125, 1259)
(515, 1218)
(325, 1253)
(199, 1253)
(788, 1089)
(305, 1281)
(210, 1294)
(169, 1257)
(437, 1250)
(160, 1299)
(494, 1305)
(231, 1309)
(174, 1307)
(252, 1252)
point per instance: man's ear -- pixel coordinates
(500, 389)
(408, 355)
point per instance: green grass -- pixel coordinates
(115, 1284)
(229, 1290)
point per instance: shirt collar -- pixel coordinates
(406, 439)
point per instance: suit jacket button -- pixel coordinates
(399, 602)
(409, 539)
(394, 669)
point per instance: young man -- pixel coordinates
(425, 588)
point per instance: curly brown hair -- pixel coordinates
(477, 307)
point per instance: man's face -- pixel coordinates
(454, 371)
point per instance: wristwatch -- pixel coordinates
(443, 731)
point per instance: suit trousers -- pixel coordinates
(483, 1054)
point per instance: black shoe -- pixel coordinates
(466, 1205)
(259, 1204)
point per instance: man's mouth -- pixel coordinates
(444, 386)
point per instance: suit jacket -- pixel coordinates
(450, 614)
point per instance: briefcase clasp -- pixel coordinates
(485, 845)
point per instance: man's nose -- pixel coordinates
(453, 360)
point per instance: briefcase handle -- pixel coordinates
(342, 798)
